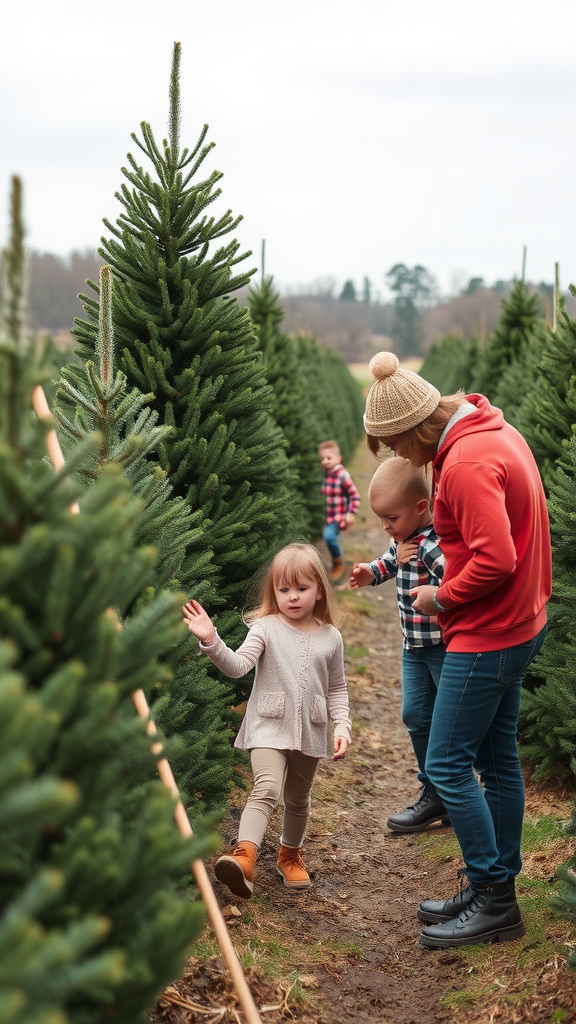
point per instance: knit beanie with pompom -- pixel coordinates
(397, 399)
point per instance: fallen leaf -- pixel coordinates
(230, 911)
(308, 980)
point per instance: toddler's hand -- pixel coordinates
(361, 575)
(199, 622)
(406, 550)
(340, 748)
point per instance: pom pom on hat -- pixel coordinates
(383, 364)
(398, 399)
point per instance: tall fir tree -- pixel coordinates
(183, 338)
(92, 925)
(548, 710)
(293, 409)
(334, 393)
(192, 707)
(547, 412)
(518, 320)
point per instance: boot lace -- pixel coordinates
(294, 857)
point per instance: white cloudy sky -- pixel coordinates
(353, 134)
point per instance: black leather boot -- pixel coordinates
(437, 911)
(418, 816)
(492, 915)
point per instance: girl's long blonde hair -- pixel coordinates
(293, 563)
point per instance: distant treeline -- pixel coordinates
(355, 327)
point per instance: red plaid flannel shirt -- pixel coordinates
(341, 495)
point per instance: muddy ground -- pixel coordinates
(347, 949)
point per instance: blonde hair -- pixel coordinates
(400, 480)
(424, 435)
(329, 444)
(293, 563)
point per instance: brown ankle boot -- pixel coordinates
(292, 869)
(337, 569)
(236, 869)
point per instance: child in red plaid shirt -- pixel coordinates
(342, 502)
(400, 497)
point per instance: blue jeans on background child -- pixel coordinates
(331, 534)
(421, 669)
(475, 725)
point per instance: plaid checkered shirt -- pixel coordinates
(424, 569)
(341, 495)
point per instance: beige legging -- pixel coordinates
(272, 770)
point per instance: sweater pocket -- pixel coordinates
(271, 704)
(319, 714)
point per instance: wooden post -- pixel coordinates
(166, 774)
(556, 297)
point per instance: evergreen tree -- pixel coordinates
(565, 901)
(450, 364)
(548, 719)
(192, 707)
(183, 338)
(518, 321)
(547, 412)
(335, 395)
(519, 378)
(348, 293)
(91, 924)
(293, 410)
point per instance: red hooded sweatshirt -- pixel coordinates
(490, 515)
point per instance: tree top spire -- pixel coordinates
(175, 108)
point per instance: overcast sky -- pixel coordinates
(353, 134)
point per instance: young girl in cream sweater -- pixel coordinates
(299, 685)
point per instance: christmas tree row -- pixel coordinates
(190, 427)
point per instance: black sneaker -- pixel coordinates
(418, 816)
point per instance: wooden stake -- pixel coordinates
(556, 297)
(166, 774)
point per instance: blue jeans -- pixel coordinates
(331, 534)
(475, 724)
(421, 668)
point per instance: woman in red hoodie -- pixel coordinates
(490, 515)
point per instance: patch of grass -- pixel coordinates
(440, 845)
(539, 833)
(356, 651)
(268, 956)
(455, 1000)
(360, 670)
(205, 947)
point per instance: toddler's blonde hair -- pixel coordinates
(292, 563)
(399, 480)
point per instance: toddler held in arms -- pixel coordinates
(399, 495)
(298, 687)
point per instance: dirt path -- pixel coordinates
(347, 949)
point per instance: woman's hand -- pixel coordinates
(341, 745)
(424, 600)
(199, 622)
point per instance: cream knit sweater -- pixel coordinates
(299, 684)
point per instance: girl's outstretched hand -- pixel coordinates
(340, 748)
(199, 622)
